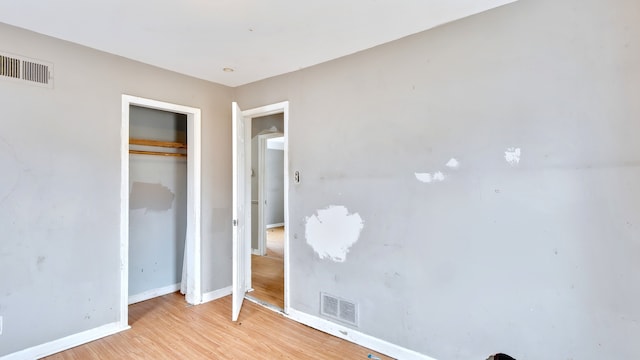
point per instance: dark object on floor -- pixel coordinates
(500, 356)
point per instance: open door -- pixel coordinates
(241, 135)
(239, 243)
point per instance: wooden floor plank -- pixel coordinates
(168, 328)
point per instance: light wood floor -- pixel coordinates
(267, 272)
(275, 242)
(168, 328)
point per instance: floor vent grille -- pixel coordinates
(25, 70)
(339, 309)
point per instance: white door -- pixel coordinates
(239, 201)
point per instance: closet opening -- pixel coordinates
(160, 209)
(158, 145)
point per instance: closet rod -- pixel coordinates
(142, 152)
(167, 144)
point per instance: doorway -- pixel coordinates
(270, 189)
(192, 262)
(267, 211)
(157, 202)
(259, 123)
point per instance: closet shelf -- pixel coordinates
(142, 152)
(158, 143)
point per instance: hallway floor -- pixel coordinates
(267, 272)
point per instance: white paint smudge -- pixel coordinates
(512, 155)
(332, 232)
(428, 178)
(424, 177)
(438, 176)
(453, 163)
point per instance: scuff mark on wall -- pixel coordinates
(512, 156)
(155, 197)
(40, 261)
(332, 232)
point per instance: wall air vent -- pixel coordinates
(9, 67)
(339, 309)
(28, 71)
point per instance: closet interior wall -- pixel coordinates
(157, 201)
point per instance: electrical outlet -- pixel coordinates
(0, 325)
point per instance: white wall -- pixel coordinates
(60, 187)
(538, 259)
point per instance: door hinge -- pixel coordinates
(235, 222)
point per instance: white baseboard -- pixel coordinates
(150, 294)
(216, 294)
(274, 225)
(356, 337)
(67, 342)
(255, 252)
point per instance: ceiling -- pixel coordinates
(256, 38)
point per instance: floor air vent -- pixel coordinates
(339, 309)
(25, 70)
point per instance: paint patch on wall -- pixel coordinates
(154, 197)
(424, 177)
(332, 232)
(437, 176)
(453, 163)
(428, 178)
(512, 156)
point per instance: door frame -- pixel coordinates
(262, 184)
(193, 236)
(247, 117)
